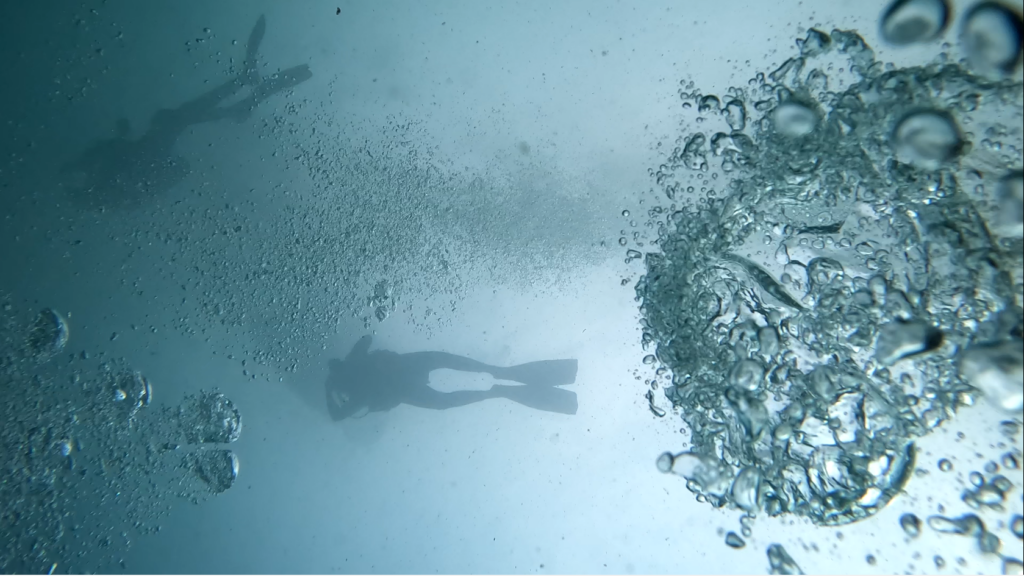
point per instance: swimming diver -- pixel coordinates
(381, 380)
(126, 172)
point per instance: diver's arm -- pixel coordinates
(360, 348)
(332, 406)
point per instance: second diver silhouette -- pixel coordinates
(125, 172)
(381, 380)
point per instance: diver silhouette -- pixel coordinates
(381, 380)
(123, 172)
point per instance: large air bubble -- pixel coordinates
(911, 21)
(926, 139)
(991, 36)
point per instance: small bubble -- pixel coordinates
(945, 465)
(989, 543)
(976, 479)
(939, 562)
(911, 525)
(733, 540)
(870, 558)
(664, 462)
(1017, 526)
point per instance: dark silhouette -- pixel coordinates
(381, 380)
(122, 172)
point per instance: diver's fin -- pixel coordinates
(250, 74)
(542, 373)
(548, 399)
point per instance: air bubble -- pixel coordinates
(211, 418)
(967, 525)
(945, 465)
(1009, 218)
(780, 561)
(997, 369)
(217, 468)
(991, 35)
(48, 334)
(900, 339)
(910, 21)
(926, 139)
(911, 525)
(733, 540)
(664, 462)
(794, 120)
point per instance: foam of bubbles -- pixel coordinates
(826, 271)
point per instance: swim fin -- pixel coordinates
(250, 75)
(541, 373)
(548, 399)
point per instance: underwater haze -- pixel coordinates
(545, 287)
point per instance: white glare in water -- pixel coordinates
(991, 36)
(910, 21)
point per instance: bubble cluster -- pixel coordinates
(827, 287)
(84, 453)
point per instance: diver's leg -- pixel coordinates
(289, 78)
(427, 397)
(205, 107)
(249, 72)
(429, 361)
